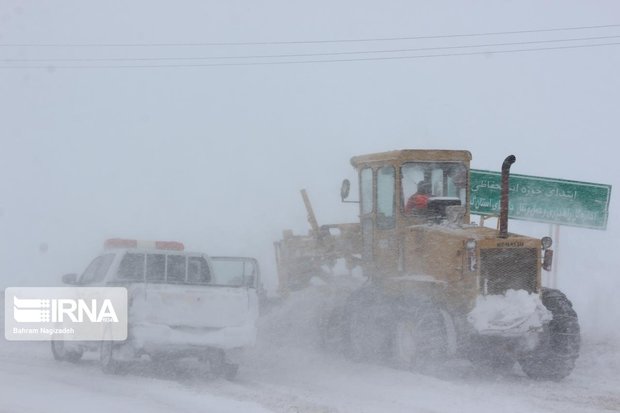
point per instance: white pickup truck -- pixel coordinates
(180, 304)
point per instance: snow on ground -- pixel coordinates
(286, 372)
(287, 359)
(31, 381)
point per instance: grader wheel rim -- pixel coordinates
(420, 340)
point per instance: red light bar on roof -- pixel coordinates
(133, 243)
(120, 243)
(169, 245)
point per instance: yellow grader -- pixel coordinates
(437, 286)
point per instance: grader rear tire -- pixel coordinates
(554, 358)
(367, 319)
(368, 335)
(332, 329)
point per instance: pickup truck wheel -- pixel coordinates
(554, 357)
(107, 358)
(220, 367)
(230, 371)
(62, 353)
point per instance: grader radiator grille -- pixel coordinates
(502, 269)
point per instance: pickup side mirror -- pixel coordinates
(69, 279)
(250, 281)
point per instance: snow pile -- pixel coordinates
(294, 323)
(514, 313)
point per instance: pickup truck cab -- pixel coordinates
(180, 304)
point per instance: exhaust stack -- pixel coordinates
(503, 212)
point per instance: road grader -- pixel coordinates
(437, 286)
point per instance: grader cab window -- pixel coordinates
(385, 197)
(447, 180)
(366, 189)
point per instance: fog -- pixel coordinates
(215, 156)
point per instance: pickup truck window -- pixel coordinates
(231, 273)
(176, 268)
(131, 267)
(155, 267)
(198, 270)
(97, 269)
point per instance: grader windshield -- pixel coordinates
(433, 180)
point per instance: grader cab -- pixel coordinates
(438, 286)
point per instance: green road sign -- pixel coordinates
(532, 198)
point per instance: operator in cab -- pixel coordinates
(419, 200)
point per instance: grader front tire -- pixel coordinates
(555, 356)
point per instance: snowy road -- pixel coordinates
(285, 373)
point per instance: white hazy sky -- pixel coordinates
(215, 156)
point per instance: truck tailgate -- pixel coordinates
(190, 306)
